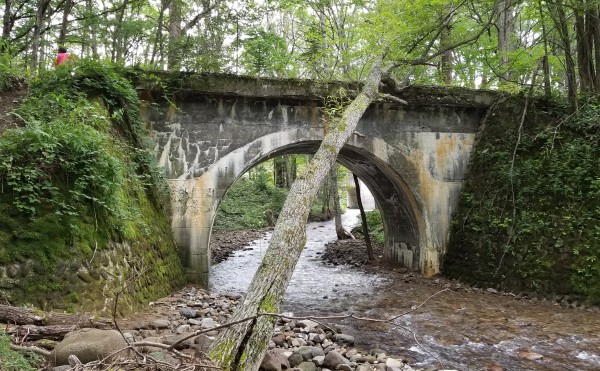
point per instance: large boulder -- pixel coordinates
(90, 344)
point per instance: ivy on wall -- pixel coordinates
(529, 216)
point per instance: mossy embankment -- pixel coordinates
(529, 214)
(83, 208)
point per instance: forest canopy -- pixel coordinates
(477, 44)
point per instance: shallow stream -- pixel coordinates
(462, 329)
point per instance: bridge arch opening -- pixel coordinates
(197, 193)
(399, 211)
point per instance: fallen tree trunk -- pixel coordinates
(243, 346)
(19, 316)
(27, 316)
(33, 332)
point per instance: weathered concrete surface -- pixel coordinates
(413, 158)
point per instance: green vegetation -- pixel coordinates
(255, 202)
(375, 225)
(77, 179)
(250, 203)
(11, 360)
(532, 222)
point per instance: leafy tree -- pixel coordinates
(265, 54)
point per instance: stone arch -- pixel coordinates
(383, 168)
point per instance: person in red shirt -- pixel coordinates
(62, 57)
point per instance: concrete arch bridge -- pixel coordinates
(412, 158)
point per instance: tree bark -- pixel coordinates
(363, 219)
(584, 51)
(335, 198)
(37, 34)
(6, 22)
(242, 346)
(445, 41)
(560, 20)
(65, 22)
(506, 28)
(174, 52)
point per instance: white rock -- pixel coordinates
(392, 362)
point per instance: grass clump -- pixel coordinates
(11, 360)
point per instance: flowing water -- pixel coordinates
(461, 329)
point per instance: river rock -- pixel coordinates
(343, 367)
(279, 339)
(274, 361)
(203, 342)
(160, 324)
(169, 340)
(208, 323)
(344, 338)
(307, 366)
(532, 356)
(295, 359)
(149, 348)
(319, 360)
(182, 329)
(309, 352)
(333, 359)
(394, 363)
(188, 312)
(90, 344)
(363, 367)
(306, 323)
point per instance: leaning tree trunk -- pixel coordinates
(243, 346)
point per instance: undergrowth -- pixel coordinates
(532, 222)
(79, 175)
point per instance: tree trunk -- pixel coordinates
(445, 41)
(174, 54)
(279, 171)
(242, 346)
(596, 35)
(546, 64)
(363, 219)
(335, 198)
(506, 29)
(93, 34)
(584, 51)
(560, 21)
(157, 48)
(6, 23)
(37, 34)
(291, 170)
(117, 41)
(65, 22)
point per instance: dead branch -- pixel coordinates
(393, 98)
(42, 352)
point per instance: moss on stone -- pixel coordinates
(530, 223)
